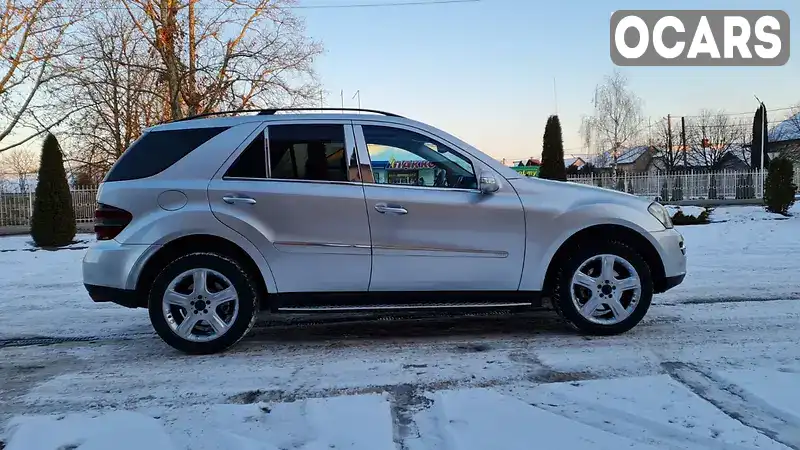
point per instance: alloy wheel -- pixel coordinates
(606, 289)
(200, 305)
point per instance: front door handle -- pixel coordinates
(231, 199)
(383, 208)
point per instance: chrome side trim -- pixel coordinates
(401, 307)
(456, 251)
(280, 180)
(320, 244)
(424, 188)
(396, 248)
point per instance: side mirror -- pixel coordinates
(488, 183)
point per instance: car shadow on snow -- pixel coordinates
(391, 327)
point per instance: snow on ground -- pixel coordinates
(668, 411)
(43, 294)
(693, 211)
(745, 253)
(715, 364)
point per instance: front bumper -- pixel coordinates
(671, 248)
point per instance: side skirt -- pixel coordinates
(302, 302)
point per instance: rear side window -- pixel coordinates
(252, 162)
(307, 152)
(157, 150)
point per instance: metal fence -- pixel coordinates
(16, 208)
(671, 187)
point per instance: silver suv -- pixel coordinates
(205, 222)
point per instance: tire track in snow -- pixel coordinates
(737, 403)
(406, 400)
(634, 427)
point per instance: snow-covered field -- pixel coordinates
(714, 365)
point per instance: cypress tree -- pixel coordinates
(53, 221)
(553, 151)
(760, 134)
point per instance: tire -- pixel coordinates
(232, 319)
(603, 325)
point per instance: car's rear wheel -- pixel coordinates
(603, 288)
(202, 303)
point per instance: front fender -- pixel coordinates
(545, 239)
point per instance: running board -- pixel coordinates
(419, 306)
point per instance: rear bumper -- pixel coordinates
(109, 263)
(123, 297)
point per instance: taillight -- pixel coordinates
(109, 221)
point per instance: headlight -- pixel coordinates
(659, 212)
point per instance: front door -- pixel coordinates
(302, 205)
(432, 229)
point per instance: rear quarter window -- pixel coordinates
(155, 151)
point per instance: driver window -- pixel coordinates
(404, 157)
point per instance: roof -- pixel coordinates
(203, 122)
(570, 161)
(788, 130)
(627, 156)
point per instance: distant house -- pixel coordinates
(632, 160)
(733, 157)
(784, 139)
(574, 162)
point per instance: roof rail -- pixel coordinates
(272, 111)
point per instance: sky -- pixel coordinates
(484, 71)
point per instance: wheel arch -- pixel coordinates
(608, 232)
(198, 243)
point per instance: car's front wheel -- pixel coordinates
(603, 288)
(202, 303)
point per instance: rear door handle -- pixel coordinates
(383, 208)
(231, 199)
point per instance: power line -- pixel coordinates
(329, 6)
(381, 5)
(741, 113)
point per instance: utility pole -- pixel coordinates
(763, 140)
(358, 94)
(669, 135)
(683, 142)
(555, 95)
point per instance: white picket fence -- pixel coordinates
(671, 187)
(16, 208)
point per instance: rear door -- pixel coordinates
(432, 229)
(294, 191)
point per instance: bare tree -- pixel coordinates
(617, 120)
(117, 88)
(227, 54)
(33, 37)
(710, 136)
(669, 153)
(743, 140)
(21, 163)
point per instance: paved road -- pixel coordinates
(289, 362)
